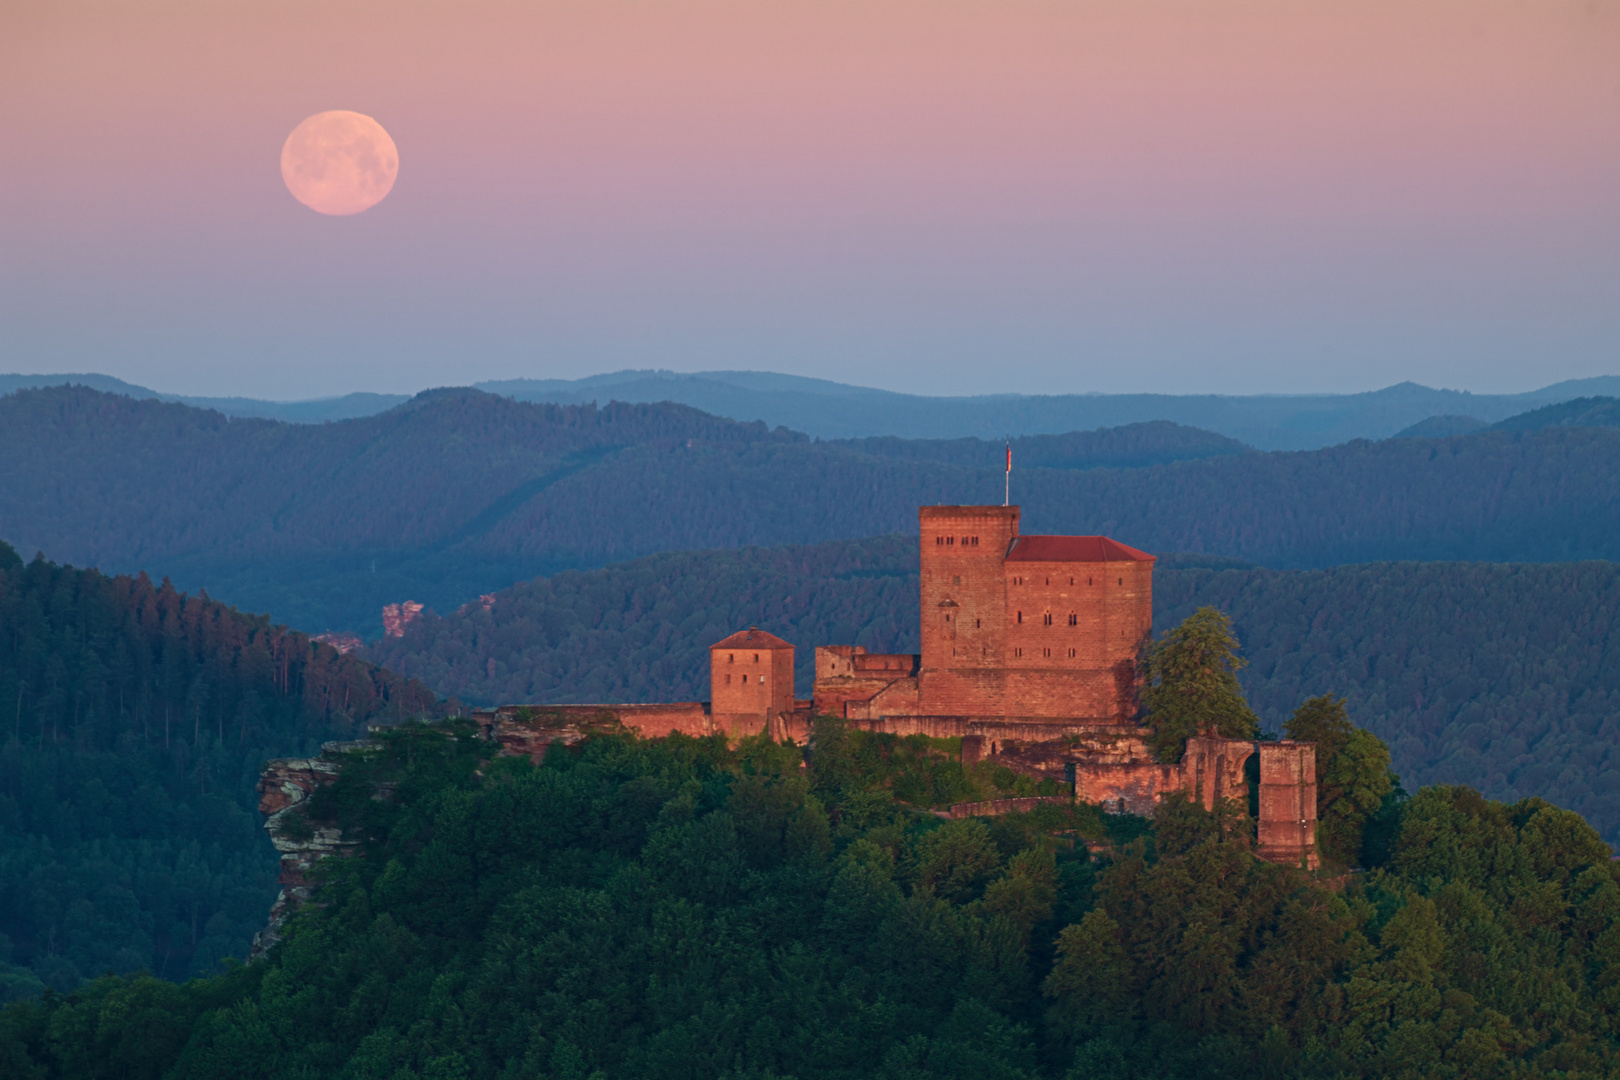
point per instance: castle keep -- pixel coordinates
(1029, 647)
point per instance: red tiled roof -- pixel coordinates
(1089, 549)
(751, 638)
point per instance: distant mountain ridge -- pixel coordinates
(834, 410)
(831, 410)
(458, 493)
(310, 411)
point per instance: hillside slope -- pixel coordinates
(460, 493)
(1503, 677)
(136, 723)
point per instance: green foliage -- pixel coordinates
(133, 724)
(1352, 775)
(1506, 678)
(678, 908)
(1190, 686)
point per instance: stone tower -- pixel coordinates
(751, 681)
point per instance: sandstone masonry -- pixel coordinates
(1029, 647)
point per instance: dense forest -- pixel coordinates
(136, 721)
(459, 493)
(1506, 677)
(687, 910)
(1155, 442)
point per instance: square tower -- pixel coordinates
(964, 605)
(750, 681)
(1028, 626)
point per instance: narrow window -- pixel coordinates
(731, 658)
(745, 678)
(975, 541)
(1046, 652)
(1018, 652)
(728, 680)
(1049, 581)
(1048, 619)
(1122, 581)
(1071, 581)
(1071, 654)
(975, 624)
(1020, 616)
(940, 540)
(950, 541)
(756, 658)
(1074, 620)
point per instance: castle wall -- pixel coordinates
(1073, 633)
(848, 674)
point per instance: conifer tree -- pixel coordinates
(1352, 774)
(1189, 685)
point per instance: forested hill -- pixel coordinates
(1154, 442)
(683, 910)
(460, 493)
(1503, 677)
(135, 722)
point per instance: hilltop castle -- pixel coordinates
(1029, 647)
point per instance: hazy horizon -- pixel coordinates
(1037, 198)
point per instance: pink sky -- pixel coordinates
(950, 196)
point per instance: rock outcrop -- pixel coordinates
(284, 786)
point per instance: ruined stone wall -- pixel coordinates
(531, 729)
(1287, 825)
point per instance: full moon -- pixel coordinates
(339, 162)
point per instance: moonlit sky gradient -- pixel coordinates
(947, 196)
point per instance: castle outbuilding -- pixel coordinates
(750, 682)
(1029, 652)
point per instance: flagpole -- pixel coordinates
(1006, 497)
